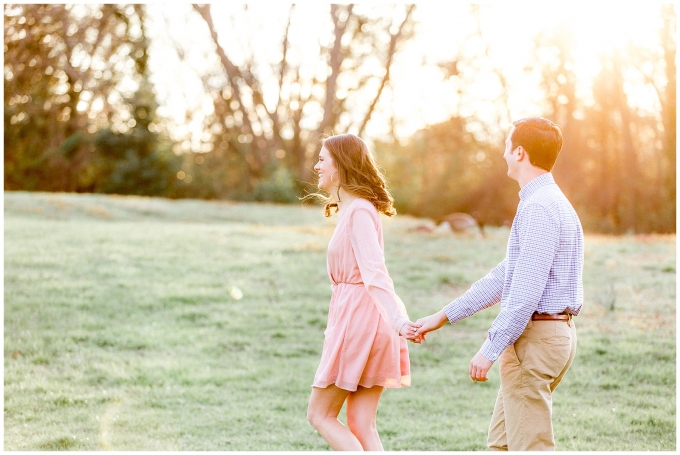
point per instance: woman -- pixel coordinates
(365, 347)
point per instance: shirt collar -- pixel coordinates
(531, 187)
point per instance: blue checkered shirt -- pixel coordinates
(542, 270)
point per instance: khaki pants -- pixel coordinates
(530, 370)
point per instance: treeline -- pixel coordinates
(81, 116)
(618, 160)
(69, 126)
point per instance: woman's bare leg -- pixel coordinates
(322, 413)
(362, 407)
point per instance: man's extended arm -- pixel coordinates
(482, 294)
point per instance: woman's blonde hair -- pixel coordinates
(358, 174)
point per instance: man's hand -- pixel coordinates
(430, 323)
(479, 366)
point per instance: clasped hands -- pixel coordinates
(416, 332)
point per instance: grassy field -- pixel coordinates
(150, 324)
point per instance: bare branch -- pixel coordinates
(394, 38)
(285, 54)
(335, 60)
(501, 78)
(233, 73)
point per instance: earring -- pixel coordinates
(332, 179)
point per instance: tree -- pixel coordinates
(137, 161)
(265, 119)
(446, 169)
(668, 109)
(615, 165)
(63, 69)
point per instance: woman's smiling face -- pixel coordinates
(326, 168)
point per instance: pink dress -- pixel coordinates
(362, 345)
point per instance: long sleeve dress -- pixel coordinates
(362, 345)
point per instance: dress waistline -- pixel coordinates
(360, 283)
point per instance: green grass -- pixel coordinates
(124, 331)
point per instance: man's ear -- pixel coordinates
(521, 153)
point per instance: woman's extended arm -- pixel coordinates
(371, 261)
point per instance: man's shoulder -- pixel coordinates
(551, 199)
(547, 196)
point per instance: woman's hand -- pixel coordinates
(430, 323)
(408, 331)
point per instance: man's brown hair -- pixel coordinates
(541, 139)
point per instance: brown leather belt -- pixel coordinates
(551, 317)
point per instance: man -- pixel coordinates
(539, 285)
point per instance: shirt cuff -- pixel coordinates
(454, 313)
(490, 351)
